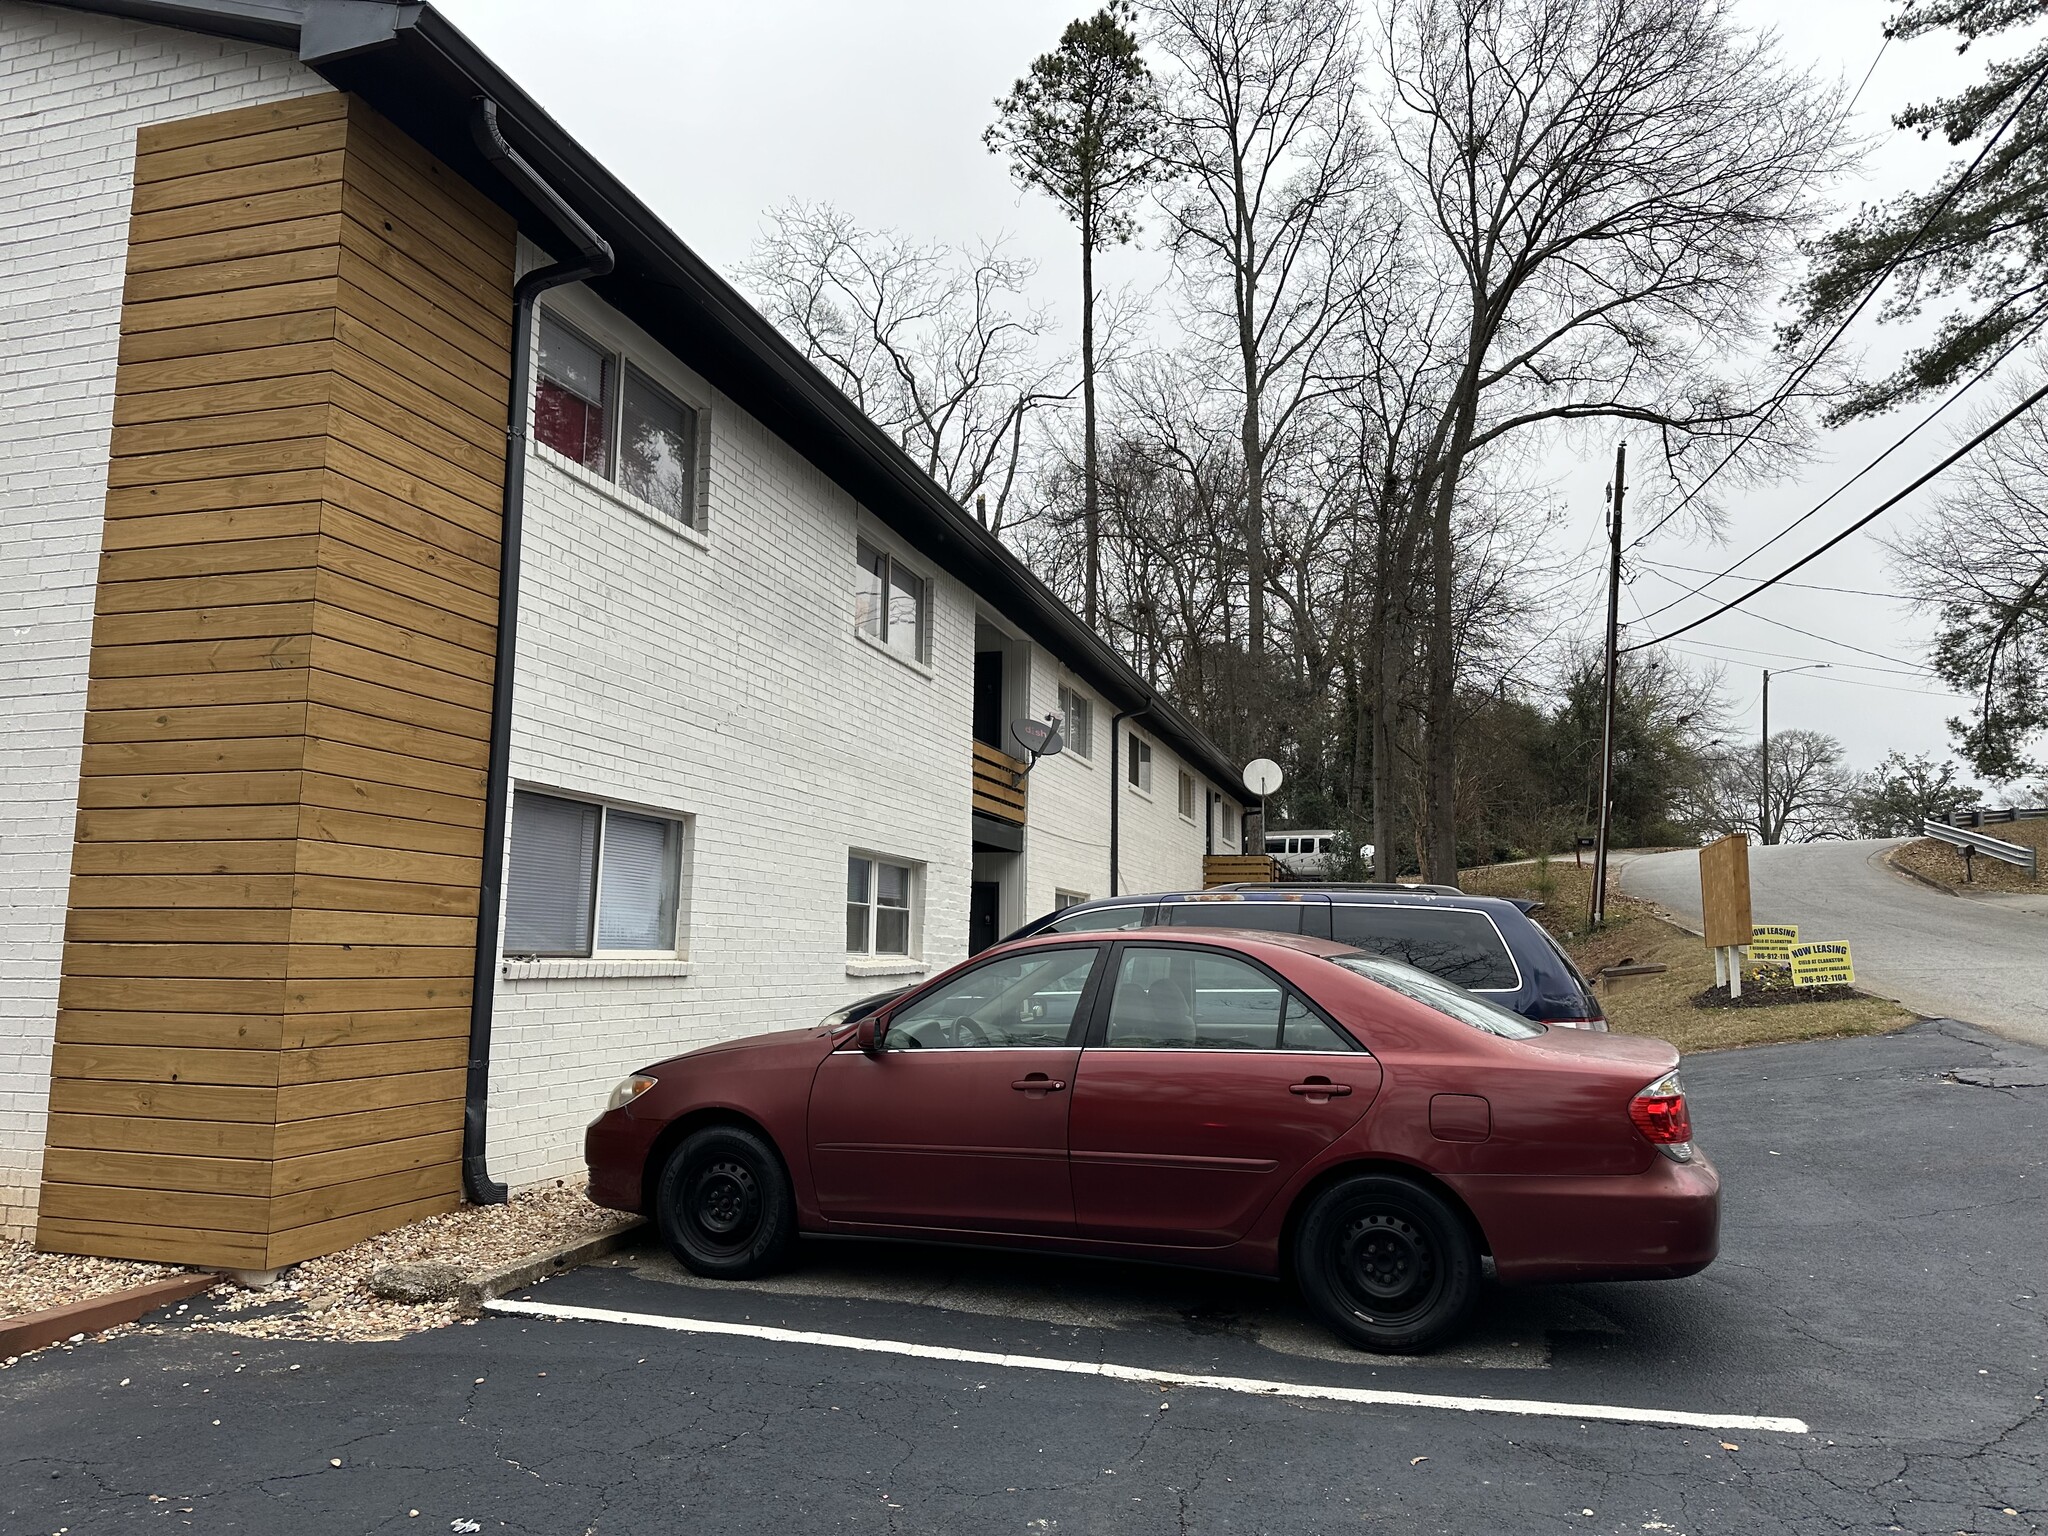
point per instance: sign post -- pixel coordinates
(1724, 904)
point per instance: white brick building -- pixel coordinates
(762, 739)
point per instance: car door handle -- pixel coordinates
(1320, 1090)
(1038, 1083)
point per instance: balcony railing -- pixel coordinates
(998, 785)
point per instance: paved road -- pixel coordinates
(1881, 1279)
(1980, 958)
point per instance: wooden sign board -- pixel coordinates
(1724, 892)
(1771, 943)
(1822, 965)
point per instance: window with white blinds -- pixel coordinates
(587, 879)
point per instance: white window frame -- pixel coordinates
(891, 563)
(1226, 822)
(913, 886)
(678, 874)
(1072, 701)
(622, 357)
(1138, 765)
(1186, 802)
(1061, 900)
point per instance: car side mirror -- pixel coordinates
(868, 1035)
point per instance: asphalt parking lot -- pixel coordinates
(1881, 1281)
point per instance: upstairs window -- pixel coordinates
(1139, 769)
(891, 604)
(1077, 724)
(1187, 795)
(602, 413)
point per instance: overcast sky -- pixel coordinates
(715, 113)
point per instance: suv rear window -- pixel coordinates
(1459, 945)
(1266, 916)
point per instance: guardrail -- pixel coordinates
(1972, 841)
(1979, 817)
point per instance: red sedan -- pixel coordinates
(1244, 1101)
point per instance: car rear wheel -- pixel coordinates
(724, 1204)
(1389, 1265)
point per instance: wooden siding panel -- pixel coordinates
(263, 1020)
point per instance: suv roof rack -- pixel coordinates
(1338, 885)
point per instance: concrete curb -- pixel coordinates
(492, 1284)
(19, 1335)
(1891, 863)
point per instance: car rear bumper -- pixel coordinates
(615, 1149)
(1660, 1224)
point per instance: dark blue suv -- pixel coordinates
(1485, 944)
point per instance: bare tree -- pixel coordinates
(1083, 128)
(936, 346)
(1810, 795)
(1275, 194)
(1611, 188)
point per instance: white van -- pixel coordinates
(1301, 851)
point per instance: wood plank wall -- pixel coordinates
(264, 1015)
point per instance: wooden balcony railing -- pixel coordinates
(1238, 869)
(998, 784)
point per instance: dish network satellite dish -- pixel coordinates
(1262, 776)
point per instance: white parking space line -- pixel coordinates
(1525, 1407)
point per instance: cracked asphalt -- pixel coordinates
(1882, 1279)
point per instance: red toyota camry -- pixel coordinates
(1245, 1101)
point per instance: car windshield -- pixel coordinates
(1435, 992)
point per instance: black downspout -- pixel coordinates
(593, 258)
(1116, 798)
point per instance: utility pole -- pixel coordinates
(1598, 912)
(1763, 798)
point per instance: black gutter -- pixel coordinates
(593, 259)
(1116, 795)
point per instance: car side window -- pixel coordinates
(1100, 920)
(1267, 916)
(1189, 999)
(1026, 999)
(1458, 944)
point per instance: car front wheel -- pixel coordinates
(1389, 1265)
(724, 1204)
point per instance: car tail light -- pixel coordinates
(1594, 1023)
(1659, 1112)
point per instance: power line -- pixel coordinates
(2022, 334)
(1831, 640)
(1799, 374)
(1871, 516)
(1751, 650)
(1850, 682)
(1804, 586)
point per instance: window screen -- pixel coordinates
(553, 865)
(637, 906)
(1268, 916)
(1463, 947)
(657, 446)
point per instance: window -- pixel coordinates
(1437, 994)
(1463, 947)
(1102, 920)
(1061, 900)
(877, 906)
(586, 879)
(1140, 769)
(1268, 916)
(615, 421)
(1077, 713)
(1276, 845)
(1226, 822)
(890, 603)
(1020, 1000)
(1187, 795)
(1185, 999)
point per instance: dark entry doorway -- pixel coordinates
(984, 914)
(988, 698)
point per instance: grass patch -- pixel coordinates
(1932, 859)
(1667, 1006)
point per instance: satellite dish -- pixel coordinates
(1040, 738)
(1262, 776)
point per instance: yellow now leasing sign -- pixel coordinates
(1772, 944)
(1822, 965)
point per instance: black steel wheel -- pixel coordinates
(1387, 1263)
(724, 1204)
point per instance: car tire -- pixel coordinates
(724, 1205)
(1389, 1265)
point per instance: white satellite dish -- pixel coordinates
(1262, 776)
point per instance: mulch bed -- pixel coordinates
(1782, 995)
